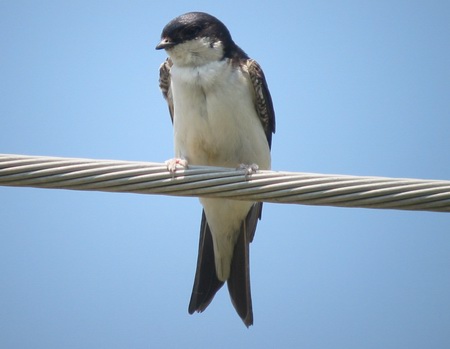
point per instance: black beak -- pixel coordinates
(165, 43)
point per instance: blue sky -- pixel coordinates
(359, 88)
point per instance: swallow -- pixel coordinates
(222, 115)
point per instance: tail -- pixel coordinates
(206, 283)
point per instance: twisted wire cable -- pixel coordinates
(267, 186)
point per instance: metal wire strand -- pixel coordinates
(267, 186)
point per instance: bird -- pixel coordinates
(222, 115)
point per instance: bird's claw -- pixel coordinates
(172, 164)
(249, 169)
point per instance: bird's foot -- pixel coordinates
(249, 169)
(173, 164)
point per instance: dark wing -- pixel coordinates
(206, 283)
(164, 84)
(263, 100)
(239, 280)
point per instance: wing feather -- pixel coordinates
(164, 84)
(263, 100)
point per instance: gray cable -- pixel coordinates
(268, 186)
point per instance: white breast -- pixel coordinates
(215, 120)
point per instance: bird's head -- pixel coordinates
(196, 38)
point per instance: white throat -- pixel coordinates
(195, 53)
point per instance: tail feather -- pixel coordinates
(206, 283)
(239, 280)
